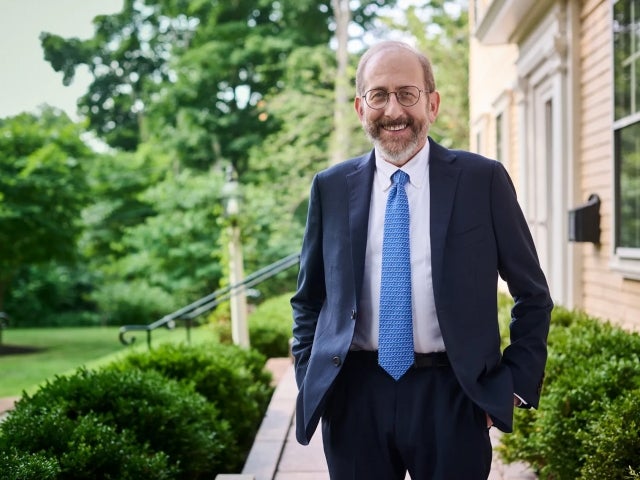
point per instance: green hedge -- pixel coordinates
(175, 412)
(115, 425)
(588, 424)
(270, 326)
(232, 378)
(16, 465)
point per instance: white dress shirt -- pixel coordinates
(427, 337)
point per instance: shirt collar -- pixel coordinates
(416, 168)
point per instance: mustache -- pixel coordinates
(386, 123)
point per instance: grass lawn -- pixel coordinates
(63, 350)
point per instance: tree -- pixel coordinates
(342, 14)
(118, 181)
(127, 58)
(42, 190)
(193, 72)
(161, 65)
(176, 249)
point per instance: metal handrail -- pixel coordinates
(209, 302)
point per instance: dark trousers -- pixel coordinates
(376, 428)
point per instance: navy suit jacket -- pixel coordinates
(478, 232)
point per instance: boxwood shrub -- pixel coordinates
(231, 378)
(588, 424)
(270, 326)
(16, 465)
(114, 424)
(611, 444)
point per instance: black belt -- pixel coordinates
(421, 360)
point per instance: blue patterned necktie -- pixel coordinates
(395, 339)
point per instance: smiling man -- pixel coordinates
(397, 131)
(396, 336)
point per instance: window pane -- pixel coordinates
(621, 27)
(625, 31)
(623, 91)
(628, 149)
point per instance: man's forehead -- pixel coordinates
(393, 63)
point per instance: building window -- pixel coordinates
(626, 44)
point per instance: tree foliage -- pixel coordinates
(190, 70)
(177, 248)
(42, 190)
(127, 58)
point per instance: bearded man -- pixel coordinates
(396, 336)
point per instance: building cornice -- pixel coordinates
(508, 21)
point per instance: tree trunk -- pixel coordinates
(3, 288)
(340, 147)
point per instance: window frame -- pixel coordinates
(626, 259)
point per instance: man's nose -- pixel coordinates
(393, 105)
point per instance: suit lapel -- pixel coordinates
(443, 181)
(359, 185)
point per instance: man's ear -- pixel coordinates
(357, 104)
(434, 106)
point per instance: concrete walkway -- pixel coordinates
(276, 455)
(6, 404)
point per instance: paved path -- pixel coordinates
(277, 456)
(6, 404)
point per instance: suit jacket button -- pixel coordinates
(336, 361)
(353, 314)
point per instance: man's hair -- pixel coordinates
(427, 70)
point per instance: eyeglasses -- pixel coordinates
(377, 98)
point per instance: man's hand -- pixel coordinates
(489, 421)
(516, 403)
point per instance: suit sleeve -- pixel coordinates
(311, 293)
(518, 265)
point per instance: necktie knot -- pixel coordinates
(400, 178)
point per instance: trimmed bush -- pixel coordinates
(15, 465)
(51, 294)
(232, 378)
(133, 303)
(612, 441)
(592, 368)
(117, 425)
(270, 326)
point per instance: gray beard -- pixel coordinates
(397, 155)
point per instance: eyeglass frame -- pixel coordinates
(364, 97)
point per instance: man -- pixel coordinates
(383, 415)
